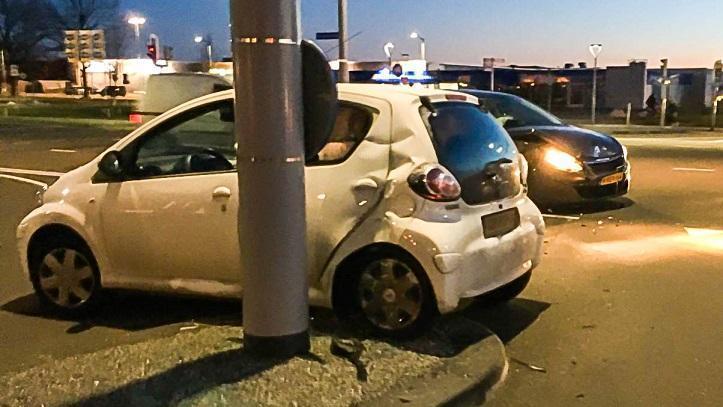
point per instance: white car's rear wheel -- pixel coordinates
(392, 294)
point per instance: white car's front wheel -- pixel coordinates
(65, 275)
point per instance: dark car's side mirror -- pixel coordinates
(110, 165)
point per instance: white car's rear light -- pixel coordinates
(435, 183)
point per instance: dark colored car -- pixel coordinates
(567, 164)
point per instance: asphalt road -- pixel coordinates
(625, 310)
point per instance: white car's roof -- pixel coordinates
(395, 91)
(386, 92)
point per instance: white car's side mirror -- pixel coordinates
(110, 165)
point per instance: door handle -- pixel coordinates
(222, 193)
(366, 183)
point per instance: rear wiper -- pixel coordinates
(427, 103)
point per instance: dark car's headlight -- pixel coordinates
(562, 161)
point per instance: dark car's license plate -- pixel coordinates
(500, 223)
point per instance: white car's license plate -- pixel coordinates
(500, 223)
(612, 179)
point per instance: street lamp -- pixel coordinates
(595, 50)
(388, 47)
(422, 44)
(209, 47)
(137, 22)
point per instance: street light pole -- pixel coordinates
(199, 39)
(422, 44)
(137, 22)
(270, 161)
(343, 38)
(388, 47)
(714, 113)
(663, 91)
(4, 74)
(595, 50)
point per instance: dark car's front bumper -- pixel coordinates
(548, 186)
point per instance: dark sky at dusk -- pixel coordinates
(463, 31)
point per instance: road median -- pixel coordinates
(457, 361)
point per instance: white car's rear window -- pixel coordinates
(476, 149)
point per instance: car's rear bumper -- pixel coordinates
(462, 263)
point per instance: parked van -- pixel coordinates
(166, 91)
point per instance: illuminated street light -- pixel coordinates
(388, 47)
(137, 22)
(422, 44)
(595, 50)
(199, 39)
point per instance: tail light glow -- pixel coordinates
(135, 118)
(435, 183)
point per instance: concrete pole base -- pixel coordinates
(282, 347)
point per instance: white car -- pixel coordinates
(417, 202)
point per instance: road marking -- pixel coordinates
(60, 150)
(693, 169)
(26, 180)
(561, 217)
(31, 172)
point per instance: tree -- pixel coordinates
(88, 14)
(28, 29)
(117, 37)
(93, 15)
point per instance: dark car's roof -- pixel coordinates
(488, 93)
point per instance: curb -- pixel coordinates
(464, 380)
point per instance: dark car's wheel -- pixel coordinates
(509, 291)
(391, 294)
(65, 275)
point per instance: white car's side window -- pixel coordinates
(351, 127)
(199, 141)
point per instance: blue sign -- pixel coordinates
(327, 36)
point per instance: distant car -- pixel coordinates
(568, 164)
(415, 203)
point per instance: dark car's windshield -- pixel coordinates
(476, 149)
(514, 111)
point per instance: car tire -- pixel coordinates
(388, 292)
(507, 292)
(65, 275)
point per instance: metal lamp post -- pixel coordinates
(388, 47)
(137, 22)
(270, 164)
(4, 73)
(664, 82)
(343, 39)
(595, 50)
(199, 39)
(422, 44)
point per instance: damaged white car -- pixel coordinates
(417, 202)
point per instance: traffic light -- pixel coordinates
(718, 71)
(152, 48)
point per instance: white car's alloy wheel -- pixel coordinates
(390, 294)
(66, 278)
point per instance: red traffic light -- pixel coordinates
(152, 52)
